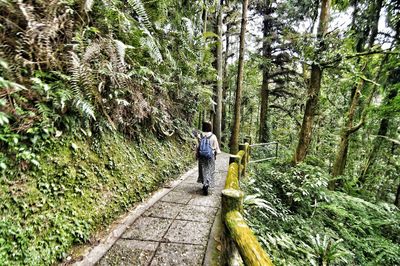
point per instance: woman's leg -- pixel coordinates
(208, 174)
(200, 178)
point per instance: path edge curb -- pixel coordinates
(97, 252)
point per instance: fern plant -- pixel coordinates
(323, 251)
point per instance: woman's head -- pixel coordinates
(207, 127)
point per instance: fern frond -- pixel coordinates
(150, 43)
(92, 51)
(121, 47)
(88, 5)
(85, 108)
(138, 7)
(44, 110)
(62, 97)
(189, 27)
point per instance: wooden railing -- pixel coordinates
(240, 245)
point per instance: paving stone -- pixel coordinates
(178, 254)
(156, 238)
(213, 200)
(177, 197)
(197, 213)
(164, 210)
(148, 228)
(129, 252)
(220, 181)
(188, 232)
(192, 178)
(191, 188)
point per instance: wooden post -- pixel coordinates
(232, 200)
(248, 153)
(244, 147)
(236, 159)
(247, 139)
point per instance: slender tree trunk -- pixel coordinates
(313, 90)
(251, 122)
(341, 155)
(200, 119)
(204, 16)
(218, 111)
(225, 82)
(234, 142)
(267, 51)
(383, 129)
(397, 200)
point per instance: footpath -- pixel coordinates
(178, 225)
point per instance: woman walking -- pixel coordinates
(207, 150)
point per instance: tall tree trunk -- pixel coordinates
(341, 155)
(234, 142)
(383, 129)
(225, 82)
(200, 119)
(267, 51)
(397, 200)
(384, 124)
(313, 89)
(204, 16)
(218, 111)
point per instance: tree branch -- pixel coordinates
(340, 58)
(286, 111)
(283, 72)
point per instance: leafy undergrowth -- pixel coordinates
(79, 187)
(300, 222)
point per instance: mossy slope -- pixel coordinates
(81, 186)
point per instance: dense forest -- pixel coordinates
(98, 100)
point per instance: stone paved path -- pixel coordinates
(175, 230)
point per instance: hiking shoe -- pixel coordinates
(205, 190)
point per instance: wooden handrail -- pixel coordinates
(239, 240)
(249, 248)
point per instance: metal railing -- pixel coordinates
(261, 152)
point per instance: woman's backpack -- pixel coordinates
(205, 151)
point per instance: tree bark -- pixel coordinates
(234, 141)
(341, 155)
(225, 83)
(383, 129)
(218, 111)
(267, 51)
(313, 90)
(204, 16)
(397, 200)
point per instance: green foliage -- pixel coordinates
(82, 185)
(116, 67)
(300, 222)
(325, 251)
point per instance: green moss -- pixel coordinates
(81, 187)
(250, 250)
(232, 178)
